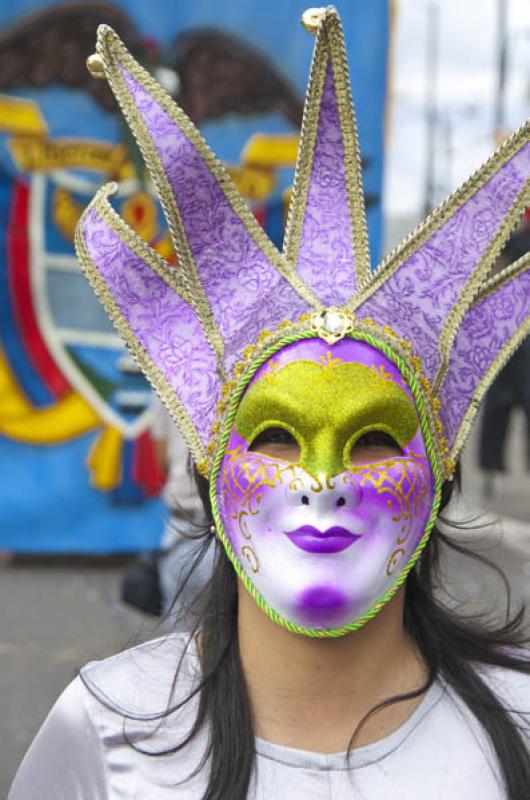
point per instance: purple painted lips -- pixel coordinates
(332, 540)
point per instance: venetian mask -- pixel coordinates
(325, 489)
(373, 377)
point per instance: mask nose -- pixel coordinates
(328, 495)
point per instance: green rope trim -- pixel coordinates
(421, 403)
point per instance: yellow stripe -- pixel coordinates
(13, 402)
(104, 459)
(20, 420)
(69, 417)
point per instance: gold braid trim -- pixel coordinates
(153, 374)
(352, 151)
(306, 148)
(114, 54)
(329, 46)
(420, 235)
(507, 274)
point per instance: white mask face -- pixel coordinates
(325, 489)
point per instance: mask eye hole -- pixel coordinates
(276, 442)
(374, 446)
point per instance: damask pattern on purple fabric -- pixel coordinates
(326, 259)
(484, 331)
(244, 290)
(166, 326)
(417, 298)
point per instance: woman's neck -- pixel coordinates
(311, 693)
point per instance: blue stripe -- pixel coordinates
(128, 492)
(274, 216)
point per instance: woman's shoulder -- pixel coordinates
(86, 728)
(67, 737)
(143, 680)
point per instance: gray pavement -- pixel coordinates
(57, 614)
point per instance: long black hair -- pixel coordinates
(450, 643)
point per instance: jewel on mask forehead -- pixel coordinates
(333, 324)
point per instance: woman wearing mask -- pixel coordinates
(326, 408)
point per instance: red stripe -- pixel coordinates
(21, 296)
(145, 470)
(260, 213)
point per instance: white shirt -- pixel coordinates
(80, 753)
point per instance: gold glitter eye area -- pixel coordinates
(374, 445)
(277, 442)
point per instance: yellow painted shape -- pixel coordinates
(66, 213)
(32, 153)
(20, 116)
(269, 150)
(326, 407)
(254, 183)
(104, 459)
(164, 247)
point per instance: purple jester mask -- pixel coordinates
(323, 530)
(323, 535)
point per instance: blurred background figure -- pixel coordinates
(166, 581)
(510, 390)
(185, 526)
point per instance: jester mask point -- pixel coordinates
(325, 402)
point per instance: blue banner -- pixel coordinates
(77, 461)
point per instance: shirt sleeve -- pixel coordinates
(65, 760)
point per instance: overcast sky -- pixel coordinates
(466, 91)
